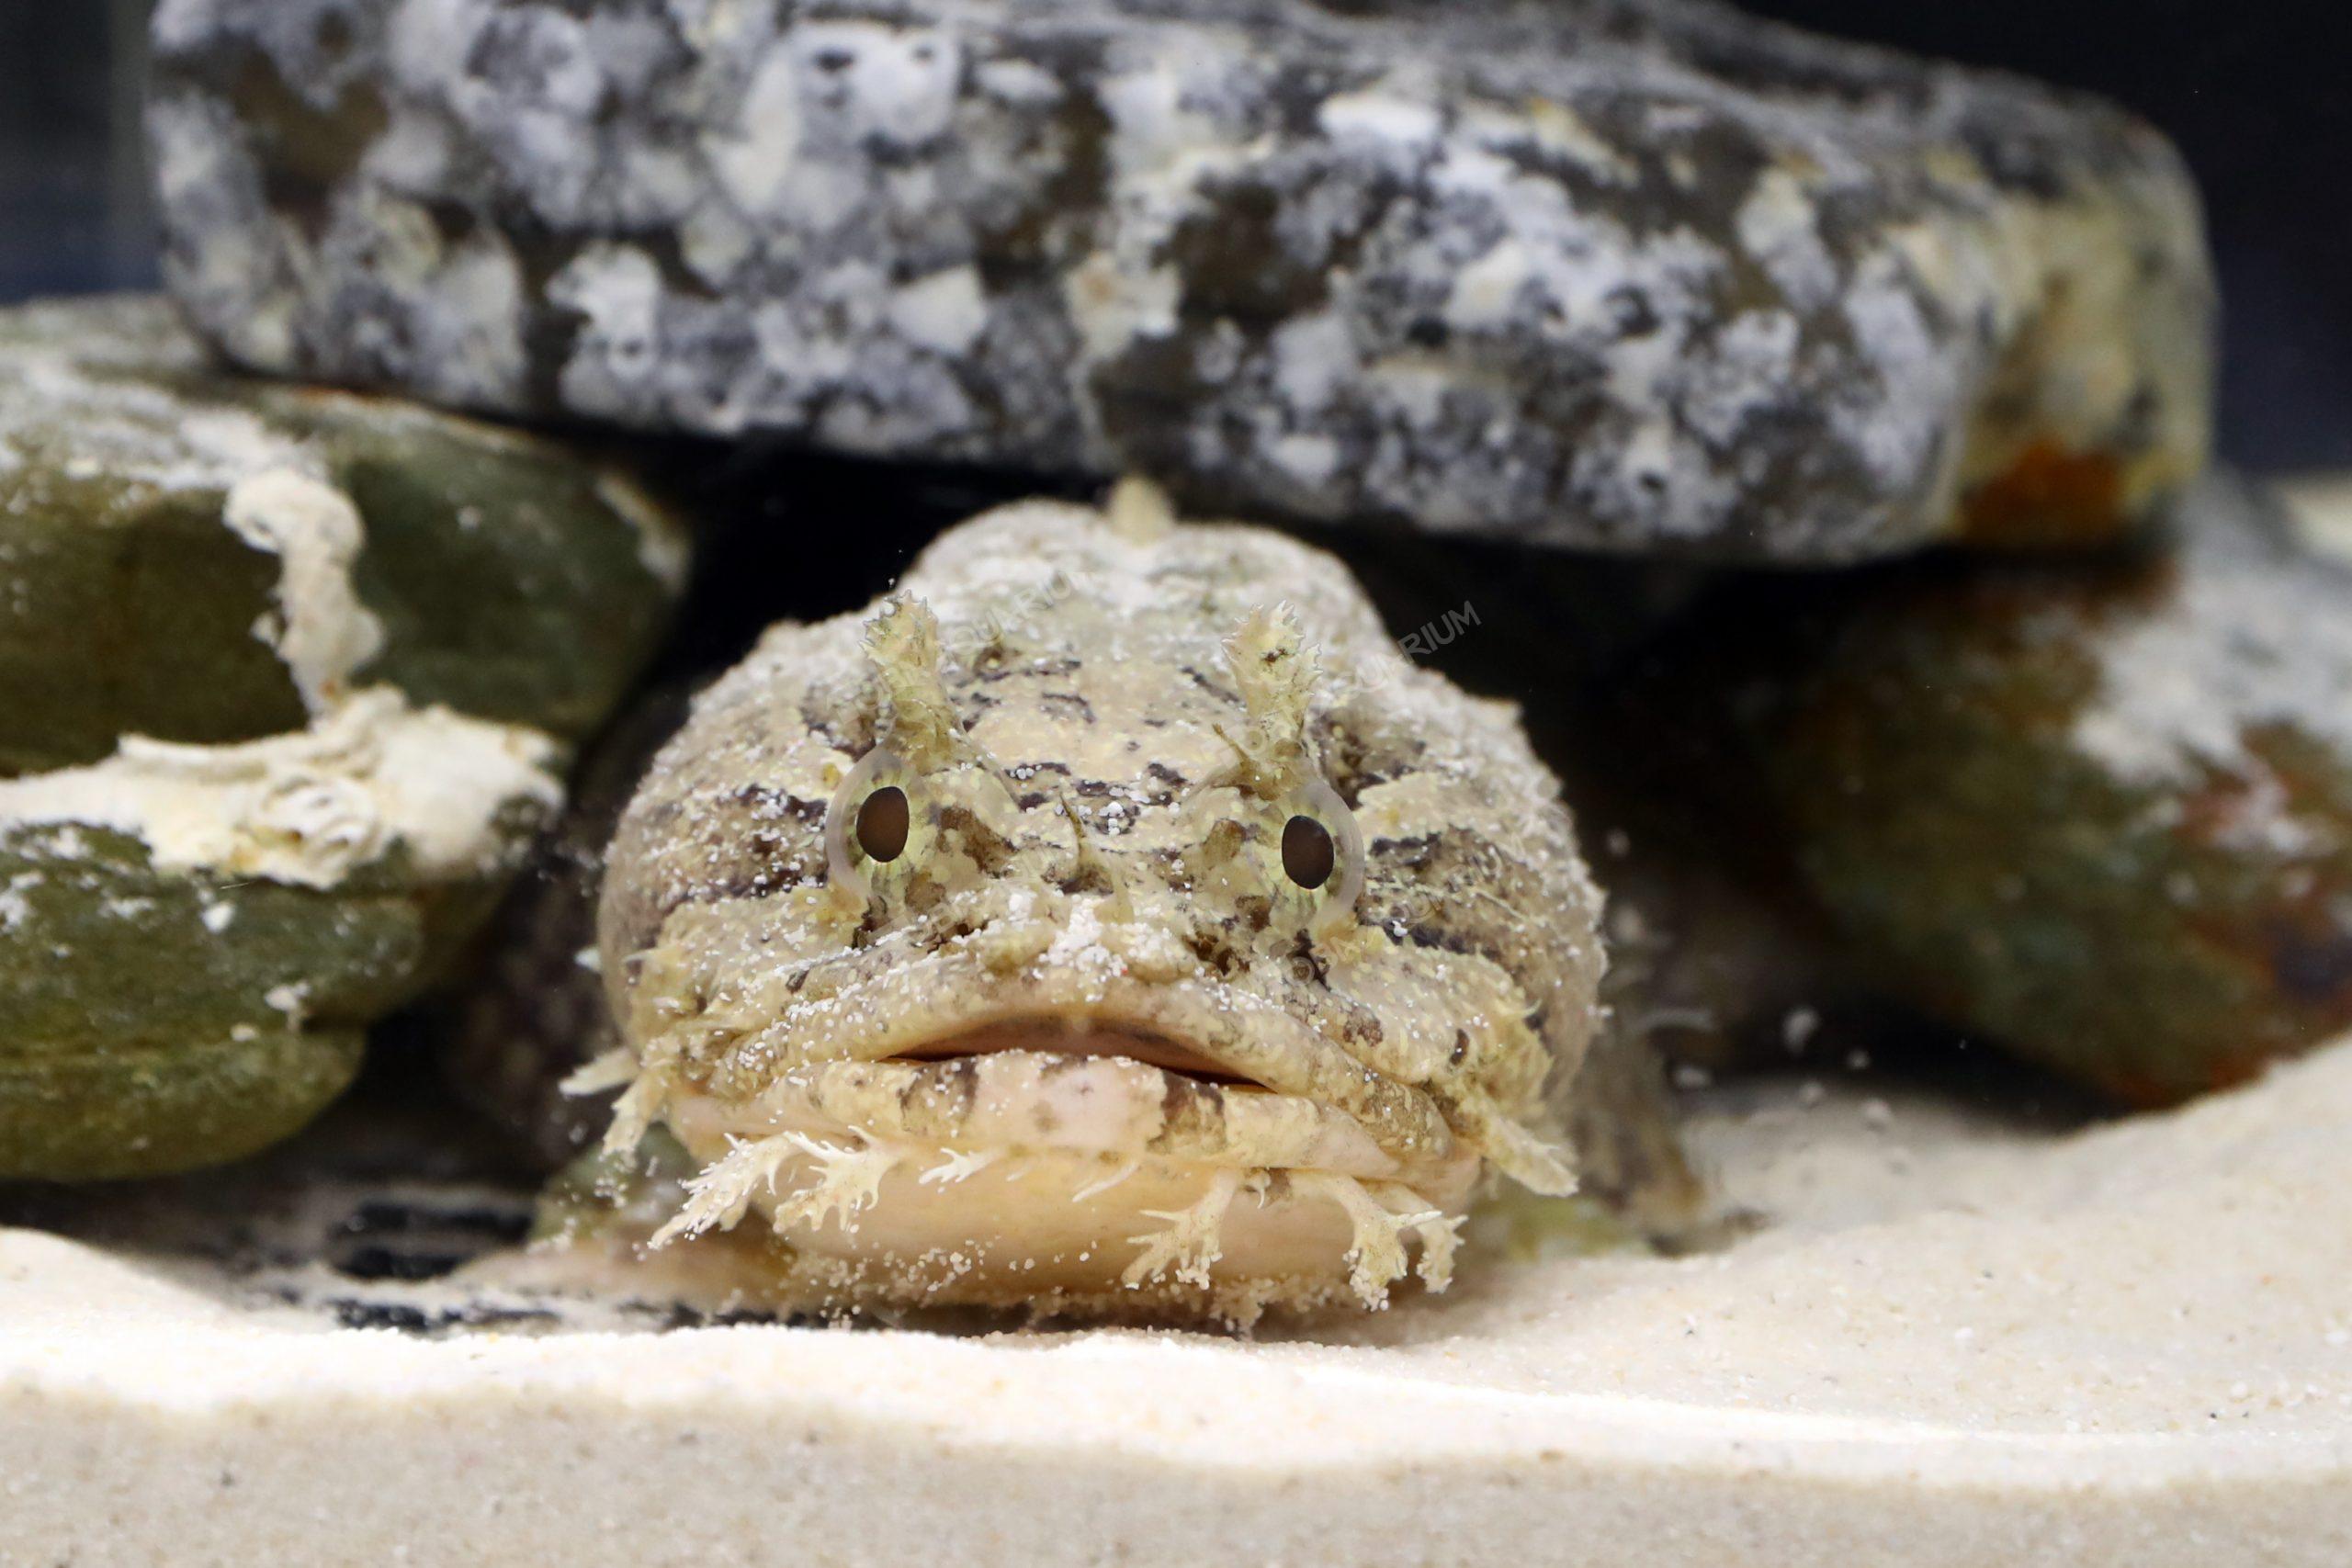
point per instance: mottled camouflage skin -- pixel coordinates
(1100, 780)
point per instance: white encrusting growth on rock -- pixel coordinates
(320, 630)
(15, 908)
(2238, 638)
(663, 546)
(372, 775)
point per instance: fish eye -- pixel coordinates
(882, 824)
(871, 821)
(1322, 850)
(1309, 855)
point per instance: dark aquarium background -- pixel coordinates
(2255, 95)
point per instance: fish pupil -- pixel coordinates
(882, 824)
(1307, 854)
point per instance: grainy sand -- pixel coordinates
(1952, 1344)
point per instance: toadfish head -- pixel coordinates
(1111, 920)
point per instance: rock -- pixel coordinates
(339, 540)
(287, 681)
(2102, 817)
(165, 1007)
(1712, 970)
(1638, 274)
(1719, 959)
(536, 1011)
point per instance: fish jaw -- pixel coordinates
(1087, 1127)
(1079, 1181)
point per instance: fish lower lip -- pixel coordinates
(1110, 1106)
(942, 1182)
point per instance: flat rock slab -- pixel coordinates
(1639, 275)
(1954, 1342)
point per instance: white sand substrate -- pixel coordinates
(1947, 1342)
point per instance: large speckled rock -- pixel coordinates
(288, 679)
(2104, 818)
(1643, 275)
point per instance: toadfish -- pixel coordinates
(1112, 922)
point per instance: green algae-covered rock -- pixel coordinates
(198, 557)
(247, 1013)
(2102, 817)
(193, 939)
(287, 682)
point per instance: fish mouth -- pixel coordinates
(1080, 1085)
(1080, 1039)
(944, 1019)
(1077, 1160)
(934, 1127)
(1056, 1163)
